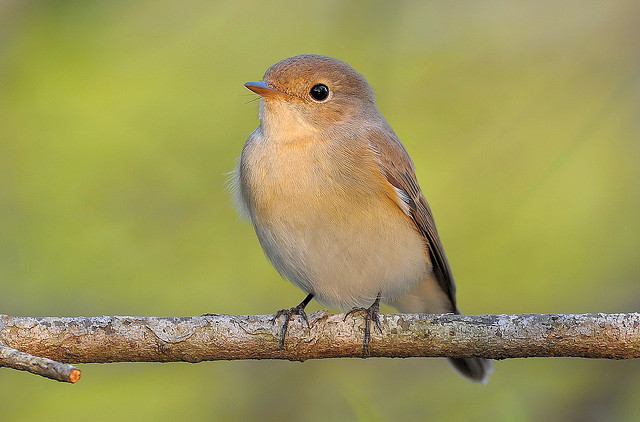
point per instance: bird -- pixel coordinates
(335, 202)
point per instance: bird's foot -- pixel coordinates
(288, 313)
(372, 313)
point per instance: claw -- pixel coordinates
(372, 313)
(299, 310)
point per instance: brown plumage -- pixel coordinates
(334, 199)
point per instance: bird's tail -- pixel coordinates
(476, 369)
(428, 297)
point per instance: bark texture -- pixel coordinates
(230, 337)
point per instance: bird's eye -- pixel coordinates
(319, 92)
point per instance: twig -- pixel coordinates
(12, 358)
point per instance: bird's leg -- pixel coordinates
(287, 317)
(372, 313)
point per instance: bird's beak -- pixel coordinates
(264, 89)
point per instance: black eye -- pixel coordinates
(319, 92)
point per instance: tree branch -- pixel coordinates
(231, 337)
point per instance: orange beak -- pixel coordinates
(264, 89)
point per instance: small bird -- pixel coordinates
(335, 202)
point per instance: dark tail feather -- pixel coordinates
(476, 369)
(421, 300)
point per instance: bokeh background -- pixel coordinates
(119, 121)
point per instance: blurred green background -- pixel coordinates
(119, 121)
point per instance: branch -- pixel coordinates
(231, 337)
(12, 358)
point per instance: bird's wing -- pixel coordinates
(396, 166)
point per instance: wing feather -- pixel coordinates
(396, 166)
